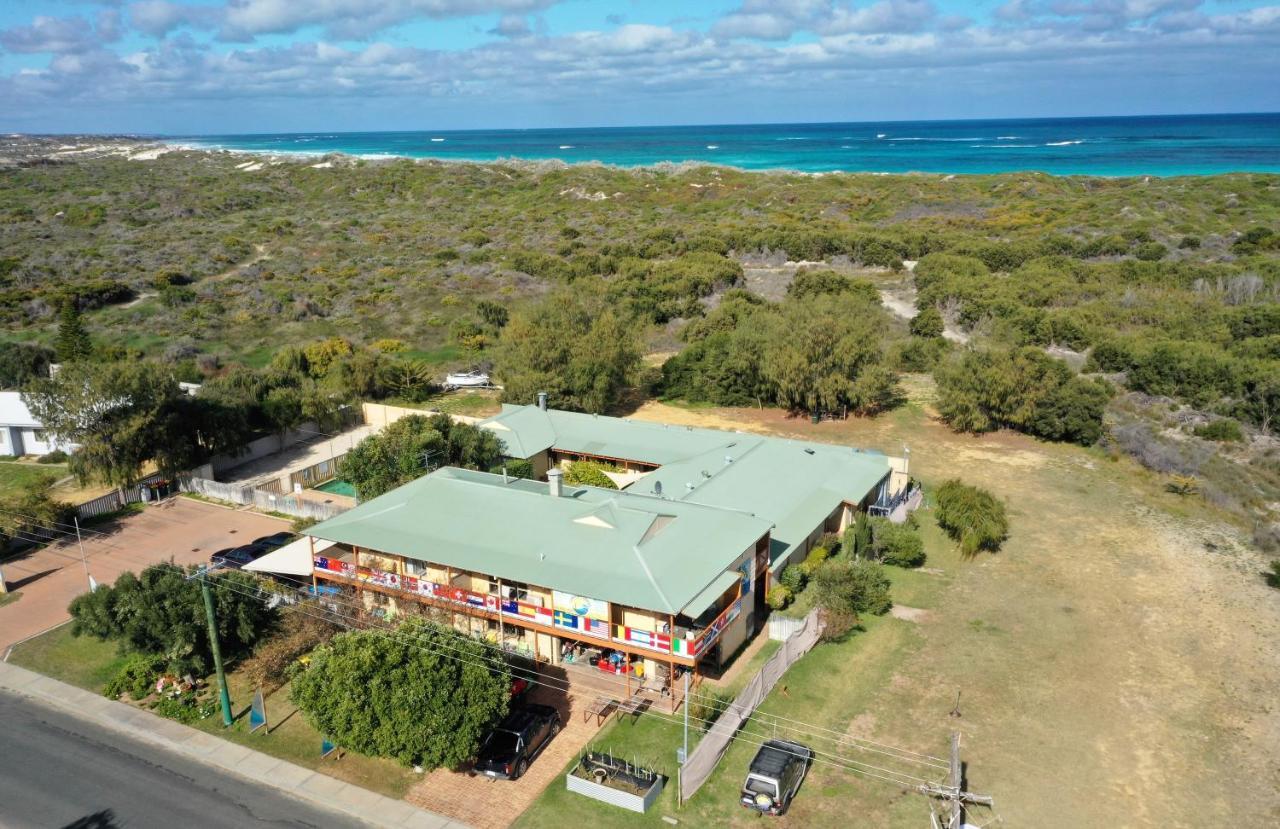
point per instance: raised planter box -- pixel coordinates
(628, 790)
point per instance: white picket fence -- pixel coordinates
(271, 502)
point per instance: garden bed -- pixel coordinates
(611, 780)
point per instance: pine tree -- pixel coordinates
(73, 340)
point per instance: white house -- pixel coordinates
(20, 432)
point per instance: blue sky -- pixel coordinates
(228, 66)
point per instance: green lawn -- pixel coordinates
(10, 597)
(88, 663)
(76, 660)
(17, 477)
(833, 685)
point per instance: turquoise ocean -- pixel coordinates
(1116, 146)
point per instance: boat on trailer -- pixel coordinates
(466, 380)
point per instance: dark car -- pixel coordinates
(775, 775)
(271, 542)
(517, 740)
(237, 557)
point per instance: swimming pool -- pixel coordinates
(337, 487)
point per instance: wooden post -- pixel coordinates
(956, 781)
(315, 589)
(671, 684)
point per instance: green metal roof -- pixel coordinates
(531, 430)
(620, 547)
(713, 591)
(793, 484)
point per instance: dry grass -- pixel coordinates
(1118, 658)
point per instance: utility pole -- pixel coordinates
(223, 695)
(685, 703)
(953, 792)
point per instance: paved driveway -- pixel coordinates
(180, 529)
(495, 804)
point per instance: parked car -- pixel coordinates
(271, 542)
(775, 775)
(237, 557)
(518, 739)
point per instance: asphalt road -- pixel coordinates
(58, 771)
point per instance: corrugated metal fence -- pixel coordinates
(703, 759)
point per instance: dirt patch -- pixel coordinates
(908, 614)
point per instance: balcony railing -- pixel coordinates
(689, 647)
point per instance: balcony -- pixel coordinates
(689, 644)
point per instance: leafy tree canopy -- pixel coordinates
(160, 611)
(971, 516)
(424, 695)
(411, 446)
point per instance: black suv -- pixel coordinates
(236, 557)
(510, 747)
(775, 776)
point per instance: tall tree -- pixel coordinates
(73, 340)
(582, 356)
(121, 415)
(425, 696)
(411, 446)
(20, 363)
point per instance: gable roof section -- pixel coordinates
(793, 484)
(591, 542)
(14, 412)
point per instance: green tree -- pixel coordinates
(160, 611)
(857, 587)
(928, 323)
(125, 414)
(73, 341)
(411, 446)
(424, 695)
(971, 516)
(818, 350)
(20, 363)
(581, 357)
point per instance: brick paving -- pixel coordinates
(181, 529)
(494, 804)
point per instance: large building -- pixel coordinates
(666, 573)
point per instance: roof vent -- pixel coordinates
(808, 451)
(657, 488)
(542, 400)
(728, 459)
(706, 474)
(555, 483)
(689, 486)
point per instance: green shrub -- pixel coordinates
(896, 544)
(136, 676)
(928, 323)
(588, 473)
(1225, 430)
(814, 560)
(794, 578)
(1151, 251)
(1273, 576)
(515, 468)
(779, 596)
(185, 708)
(856, 587)
(56, 456)
(971, 516)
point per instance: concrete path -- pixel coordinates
(180, 529)
(194, 745)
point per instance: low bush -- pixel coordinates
(813, 561)
(588, 473)
(779, 596)
(1225, 430)
(56, 456)
(299, 634)
(971, 516)
(186, 708)
(136, 677)
(896, 544)
(853, 587)
(793, 578)
(1273, 576)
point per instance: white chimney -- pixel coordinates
(542, 400)
(555, 482)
